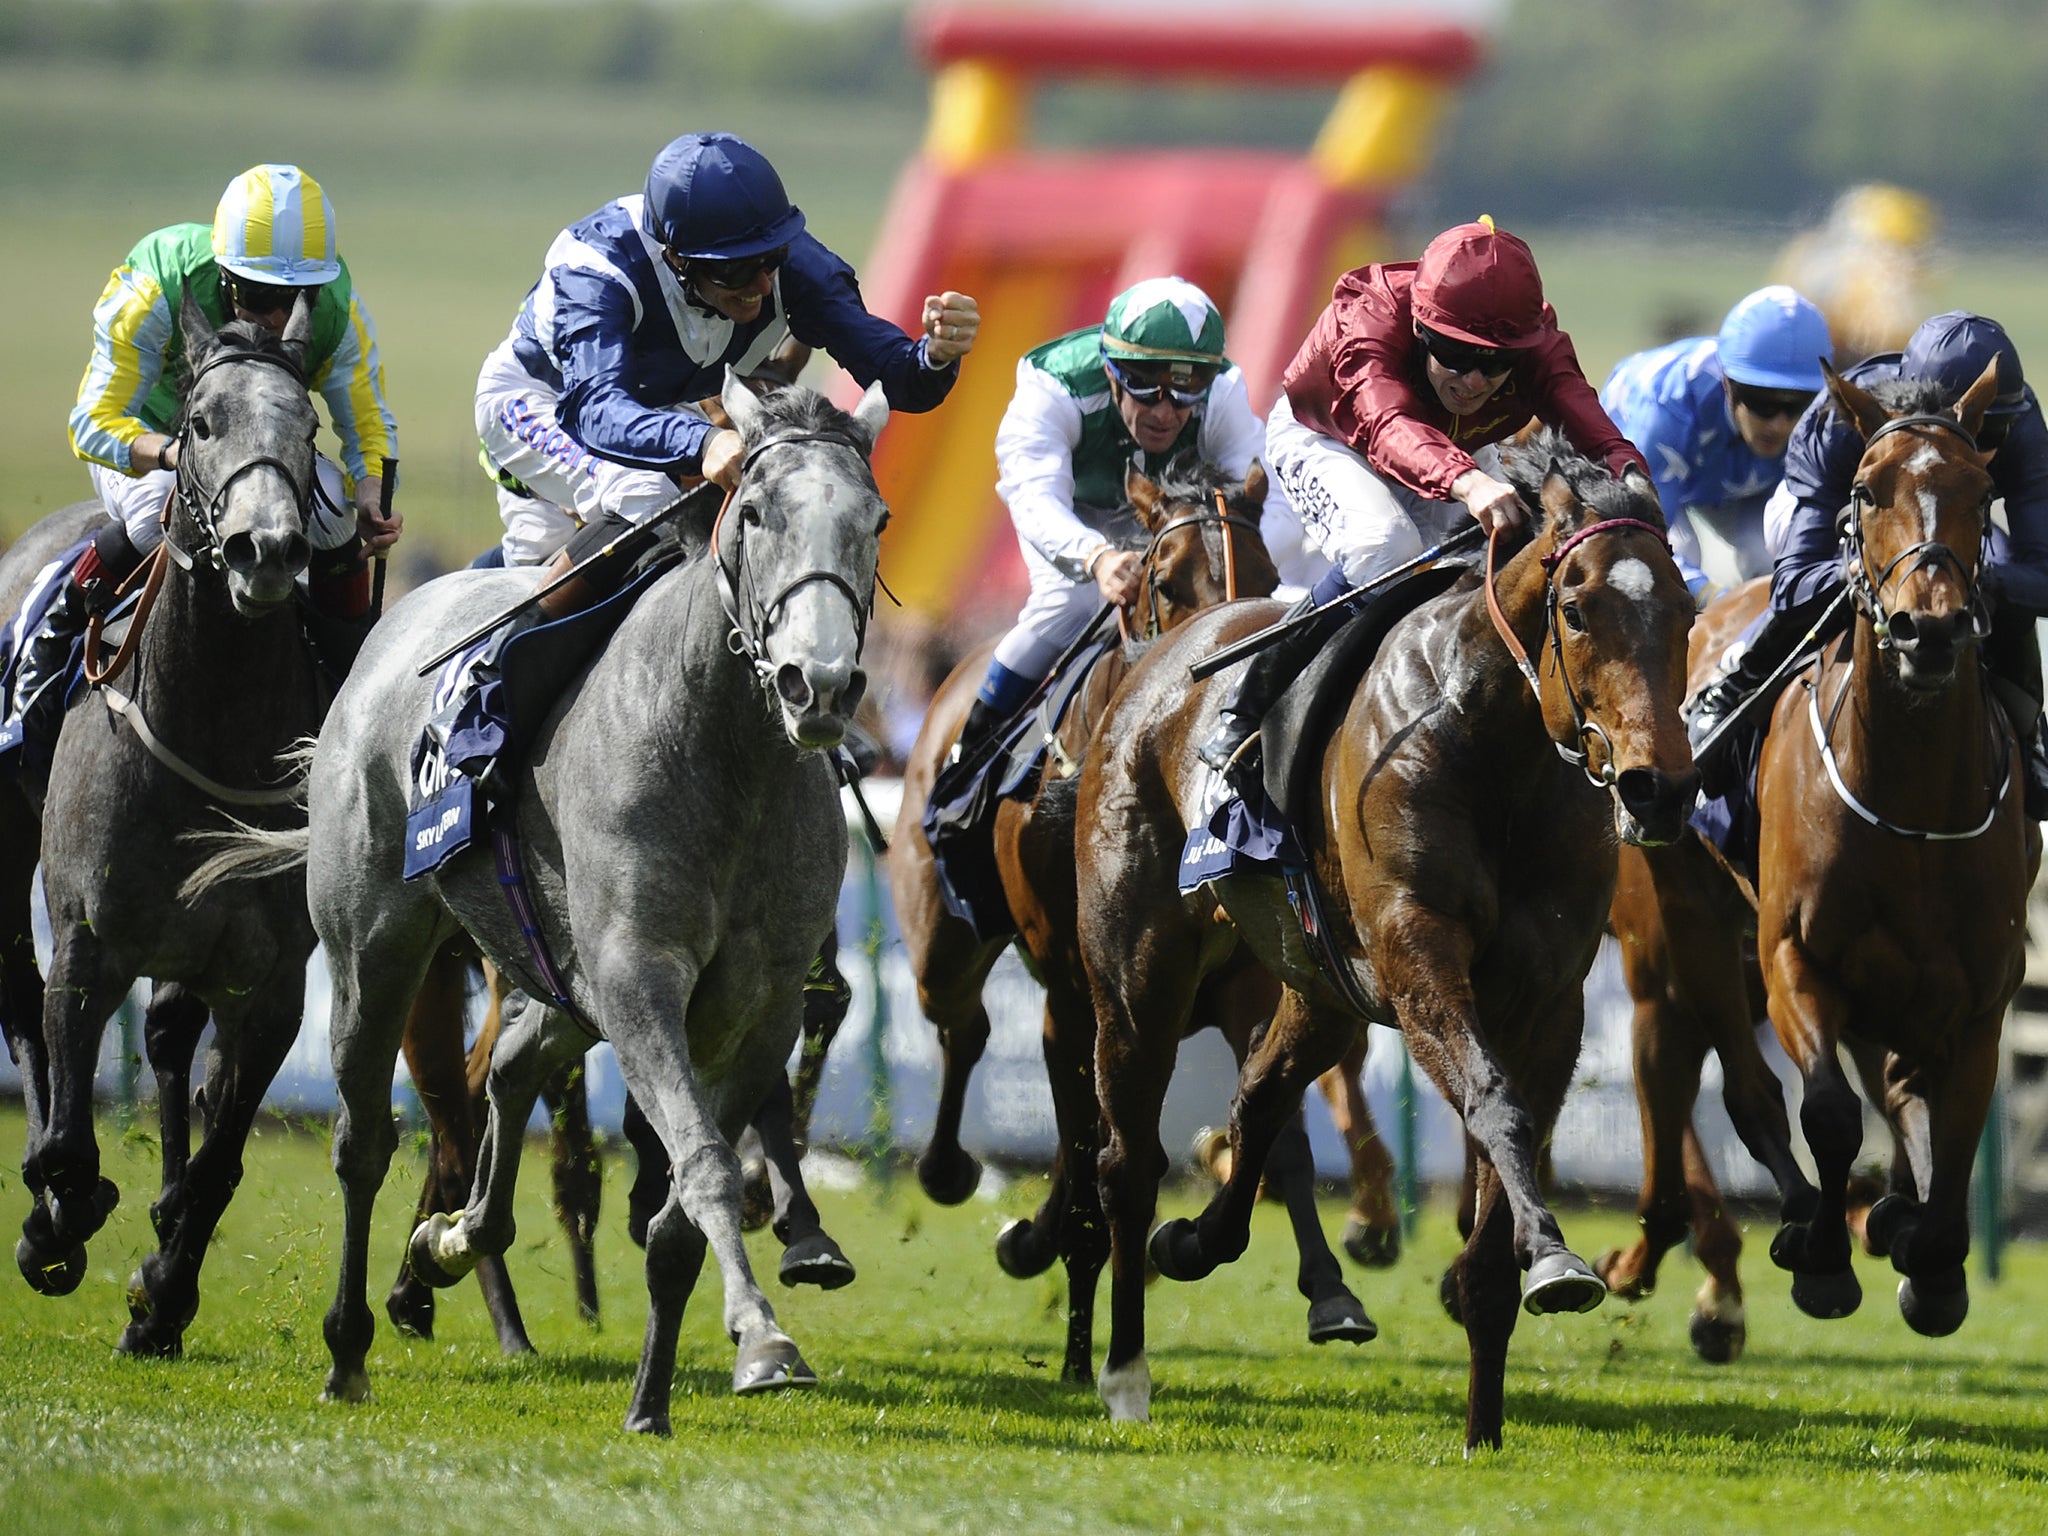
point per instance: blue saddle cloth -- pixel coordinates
(489, 701)
(1240, 836)
(20, 753)
(959, 819)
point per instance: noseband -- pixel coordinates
(1584, 729)
(1929, 554)
(751, 618)
(204, 508)
(1222, 518)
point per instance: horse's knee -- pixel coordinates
(1832, 1118)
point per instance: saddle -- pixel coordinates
(959, 819)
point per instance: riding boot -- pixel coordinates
(2012, 658)
(36, 702)
(1232, 748)
(1782, 631)
(619, 542)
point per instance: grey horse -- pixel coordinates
(683, 845)
(221, 683)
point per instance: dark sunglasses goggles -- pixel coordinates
(1186, 384)
(1463, 357)
(738, 272)
(1770, 404)
(264, 298)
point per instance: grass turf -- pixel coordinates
(941, 1409)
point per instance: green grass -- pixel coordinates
(941, 1409)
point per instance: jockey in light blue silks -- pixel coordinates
(588, 409)
(1712, 415)
(272, 241)
(1147, 386)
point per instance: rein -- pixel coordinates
(749, 634)
(1583, 728)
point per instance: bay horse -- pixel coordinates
(221, 682)
(1465, 829)
(1893, 864)
(1203, 547)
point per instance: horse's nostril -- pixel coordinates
(791, 686)
(856, 689)
(1645, 790)
(239, 551)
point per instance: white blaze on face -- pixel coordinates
(1923, 460)
(1632, 578)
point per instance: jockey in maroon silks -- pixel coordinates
(1381, 432)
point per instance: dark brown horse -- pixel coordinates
(1204, 548)
(1893, 864)
(1465, 831)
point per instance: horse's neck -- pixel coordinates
(1904, 751)
(210, 677)
(1491, 699)
(701, 683)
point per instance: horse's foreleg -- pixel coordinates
(1484, 1278)
(809, 1256)
(1372, 1227)
(1071, 1224)
(827, 997)
(578, 1177)
(1814, 1244)
(171, 1028)
(163, 1296)
(1668, 1055)
(947, 1171)
(1928, 1241)
(649, 1190)
(1333, 1312)
(1719, 1325)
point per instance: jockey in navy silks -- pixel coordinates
(1713, 415)
(1803, 528)
(588, 409)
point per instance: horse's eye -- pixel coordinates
(881, 522)
(750, 514)
(1574, 620)
(200, 429)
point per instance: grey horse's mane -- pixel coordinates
(235, 336)
(1525, 466)
(796, 408)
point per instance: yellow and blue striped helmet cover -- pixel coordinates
(275, 225)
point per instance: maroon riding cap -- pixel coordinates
(1478, 284)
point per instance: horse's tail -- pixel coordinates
(243, 852)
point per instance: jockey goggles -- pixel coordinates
(1462, 357)
(738, 272)
(1770, 404)
(1186, 383)
(264, 298)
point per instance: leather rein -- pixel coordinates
(1584, 729)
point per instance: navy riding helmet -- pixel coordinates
(714, 197)
(1952, 349)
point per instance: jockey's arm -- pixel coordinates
(352, 384)
(1035, 473)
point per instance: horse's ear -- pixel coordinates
(1977, 399)
(1852, 402)
(872, 414)
(298, 330)
(1560, 501)
(742, 405)
(194, 327)
(1255, 485)
(1637, 483)
(1144, 498)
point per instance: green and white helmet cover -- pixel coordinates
(1163, 320)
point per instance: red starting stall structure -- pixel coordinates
(1044, 239)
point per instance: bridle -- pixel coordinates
(1868, 587)
(1222, 518)
(1584, 729)
(204, 508)
(751, 618)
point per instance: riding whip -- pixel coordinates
(637, 538)
(384, 490)
(1768, 688)
(1272, 634)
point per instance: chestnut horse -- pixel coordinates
(1893, 866)
(1204, 548)
(1465, 830)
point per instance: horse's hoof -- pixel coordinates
(772, 1365)
(1826, 1296)
(1447, 1296)
(1718, 1341)
(143, 1340)
(1018, 1255)
(1126, 1391)
(815, 1261)
(1562, 1282)
(949, 1179)
(48, 1276)
(411, 1310)
(1884, 1222)
(346, 1386)
(757, 1195)
(647, 1424)
(1209, 1153)
(1340, 1319)
(1176, 1250)
(1934, 1306)
(1372, 1247)
(419, 1253)
(1631, 1289)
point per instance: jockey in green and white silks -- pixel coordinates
(1149, 385)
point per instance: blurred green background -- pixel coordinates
(1657, 157)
